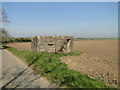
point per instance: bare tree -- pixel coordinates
(3, 20)
(3, 15)
(4, 33)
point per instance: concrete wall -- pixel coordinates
(56, 44)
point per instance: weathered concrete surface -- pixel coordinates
(15, 74)
(56, 44)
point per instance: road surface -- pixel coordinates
(15, 74)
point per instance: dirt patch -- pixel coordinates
(100, 58)
(21, 46)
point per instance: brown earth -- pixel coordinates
(21, 46)
(100, 58)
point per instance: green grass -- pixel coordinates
(50, 66)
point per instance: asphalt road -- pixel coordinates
(15, 74)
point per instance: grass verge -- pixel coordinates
(50, 66)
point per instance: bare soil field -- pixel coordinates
(21, 46)
(99, 58)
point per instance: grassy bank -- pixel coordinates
(50, 66)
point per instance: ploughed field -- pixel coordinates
(99, 58)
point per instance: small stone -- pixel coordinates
(115, 81)
(102, 76)
(108, 74)
(96, 76)
(110, 81)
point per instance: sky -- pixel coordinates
(78, 19)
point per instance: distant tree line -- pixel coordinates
(11, 40)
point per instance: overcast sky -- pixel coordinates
(88, 19)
